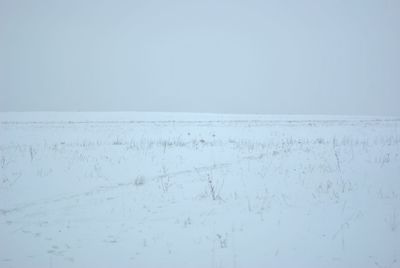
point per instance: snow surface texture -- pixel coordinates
(153, 190)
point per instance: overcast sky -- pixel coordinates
(285, 57)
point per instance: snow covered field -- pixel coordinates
(156, 190)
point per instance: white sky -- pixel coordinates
(285, 57)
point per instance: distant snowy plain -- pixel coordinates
(182, 190)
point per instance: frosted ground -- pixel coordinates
(164, 190)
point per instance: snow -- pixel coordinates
(198, 190)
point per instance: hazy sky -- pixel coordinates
(300, 56)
